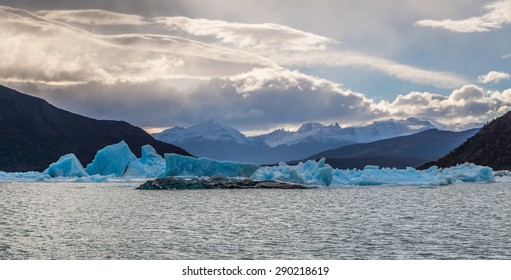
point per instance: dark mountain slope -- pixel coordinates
(34, 134)
(491, 146)
(412, 150)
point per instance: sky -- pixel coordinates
(261, 65)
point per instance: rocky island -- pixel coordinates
(215, 182)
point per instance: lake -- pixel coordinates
(115, 221)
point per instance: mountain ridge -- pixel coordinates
(221, 142)
(400, 152)
(491, 146)
(36, 133)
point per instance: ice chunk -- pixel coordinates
(374, 176)
(118, 159)
(67, 166)
(153, 162)
(502, 173)
(309, 173)
(178, 165)
(23, 176)
(150, 165)
(469, 172)
(136, 169)
(113, 159)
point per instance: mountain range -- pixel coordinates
(399, 152)
(35, 133)
(221, 142)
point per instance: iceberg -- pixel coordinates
(116, 162)
(469, 173)
(153, 162)
(178, 165)
(67, 166)
(113, 159)
(136, 169)
(308, 173)
(322, 174)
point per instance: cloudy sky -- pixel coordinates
(258, 64)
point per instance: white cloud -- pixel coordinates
(498, 14)
(469, 104)
(260, 99)
(267, 98)
(493, 77)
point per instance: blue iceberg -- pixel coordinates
(30, 176)
(117, 160)
(67, 166)
(154, 163)
(113, 159)
(178, 165)
(322, 174)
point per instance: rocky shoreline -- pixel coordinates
(215, 182)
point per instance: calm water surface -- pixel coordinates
(115, 221)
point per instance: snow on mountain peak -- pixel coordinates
(312, 132)
(306, 127)
(208, 131)
(334, 133)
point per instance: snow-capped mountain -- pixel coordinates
(215, 141)
(335, 134)
(204, 132)
(221, 142)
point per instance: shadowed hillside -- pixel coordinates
(34, 133)
(400, 152)
(491, 146)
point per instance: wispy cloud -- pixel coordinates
(38, 49)
(493, 77)
(284, 45)
(92, 17)
(350, 58)
(290, 47)
(248, 36)
(497, 15)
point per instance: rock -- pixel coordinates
(215, 182)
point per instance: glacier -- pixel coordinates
(117, 162)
